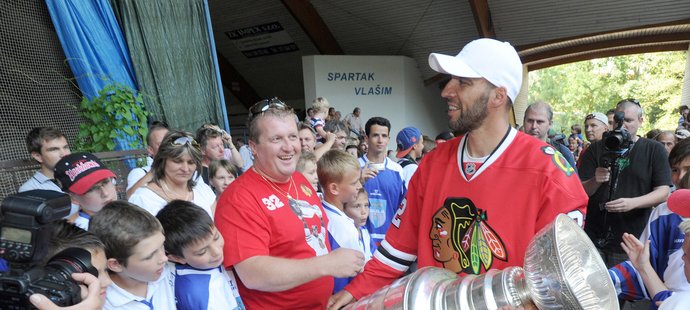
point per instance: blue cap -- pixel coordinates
(406, 139)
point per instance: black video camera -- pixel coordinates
(24, 238)
(616, 142)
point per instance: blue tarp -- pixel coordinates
(94, 45)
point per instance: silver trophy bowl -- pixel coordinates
(562, 270)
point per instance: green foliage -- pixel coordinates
(577, 89)
(116, 112)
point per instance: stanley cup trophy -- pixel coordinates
(562, 271)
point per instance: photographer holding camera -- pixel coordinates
(48, 260)
(65, 235)
(624, 176)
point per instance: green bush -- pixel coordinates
(117, 112)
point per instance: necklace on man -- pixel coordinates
(276, 188)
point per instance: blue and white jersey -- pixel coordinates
(365, 243)
(386, 193)
(342, 233)
(82, 221)
(160, 295)
(197, 289)
(665, 255)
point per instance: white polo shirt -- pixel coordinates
(342, 231)
(160, 294)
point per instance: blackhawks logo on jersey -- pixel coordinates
(558, 160)
(462, 240)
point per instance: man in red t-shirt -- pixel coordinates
(274, 225)
(476, 201)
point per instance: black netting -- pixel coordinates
(36, 84)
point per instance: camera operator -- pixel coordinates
(623, 183)
(48, 257)
(65, 235)
(91, 297)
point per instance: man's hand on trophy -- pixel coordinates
(339, 300)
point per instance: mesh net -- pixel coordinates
(36, 84)
(14, 173)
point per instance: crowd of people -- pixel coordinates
(316, 213)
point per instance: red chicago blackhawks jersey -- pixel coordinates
(473, 221)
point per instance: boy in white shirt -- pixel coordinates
(358, 211)
(195, 245)
(133, 238)
(339, 175)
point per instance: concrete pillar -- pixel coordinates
(685, 92)
(520, 104)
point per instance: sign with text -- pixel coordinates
(262, 40)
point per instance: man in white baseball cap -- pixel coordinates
(489, 182)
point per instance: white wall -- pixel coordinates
(402, 97)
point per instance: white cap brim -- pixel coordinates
(452, 65)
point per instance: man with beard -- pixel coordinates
(499, 187)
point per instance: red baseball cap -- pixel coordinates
(78, 172)
(679, 202)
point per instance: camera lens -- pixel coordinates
(613, 142)
(72, 260)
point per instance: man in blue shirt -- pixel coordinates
(381, 177)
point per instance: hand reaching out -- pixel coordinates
(638, 253)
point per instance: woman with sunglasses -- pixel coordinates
(176, 169)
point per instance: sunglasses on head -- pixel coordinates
(266, 104)
(185, 140)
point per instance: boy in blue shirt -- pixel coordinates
(195, 245)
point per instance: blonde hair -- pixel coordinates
(304, 158)
(333, 165)
(320, 104)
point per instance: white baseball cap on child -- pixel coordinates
(497, 62)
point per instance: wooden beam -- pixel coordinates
(235, 82)
(312, 23)
(609, 53)
(614, 42)
(538, 44)
(482, 18)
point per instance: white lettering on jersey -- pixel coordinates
(272, 202)
(401, 209)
